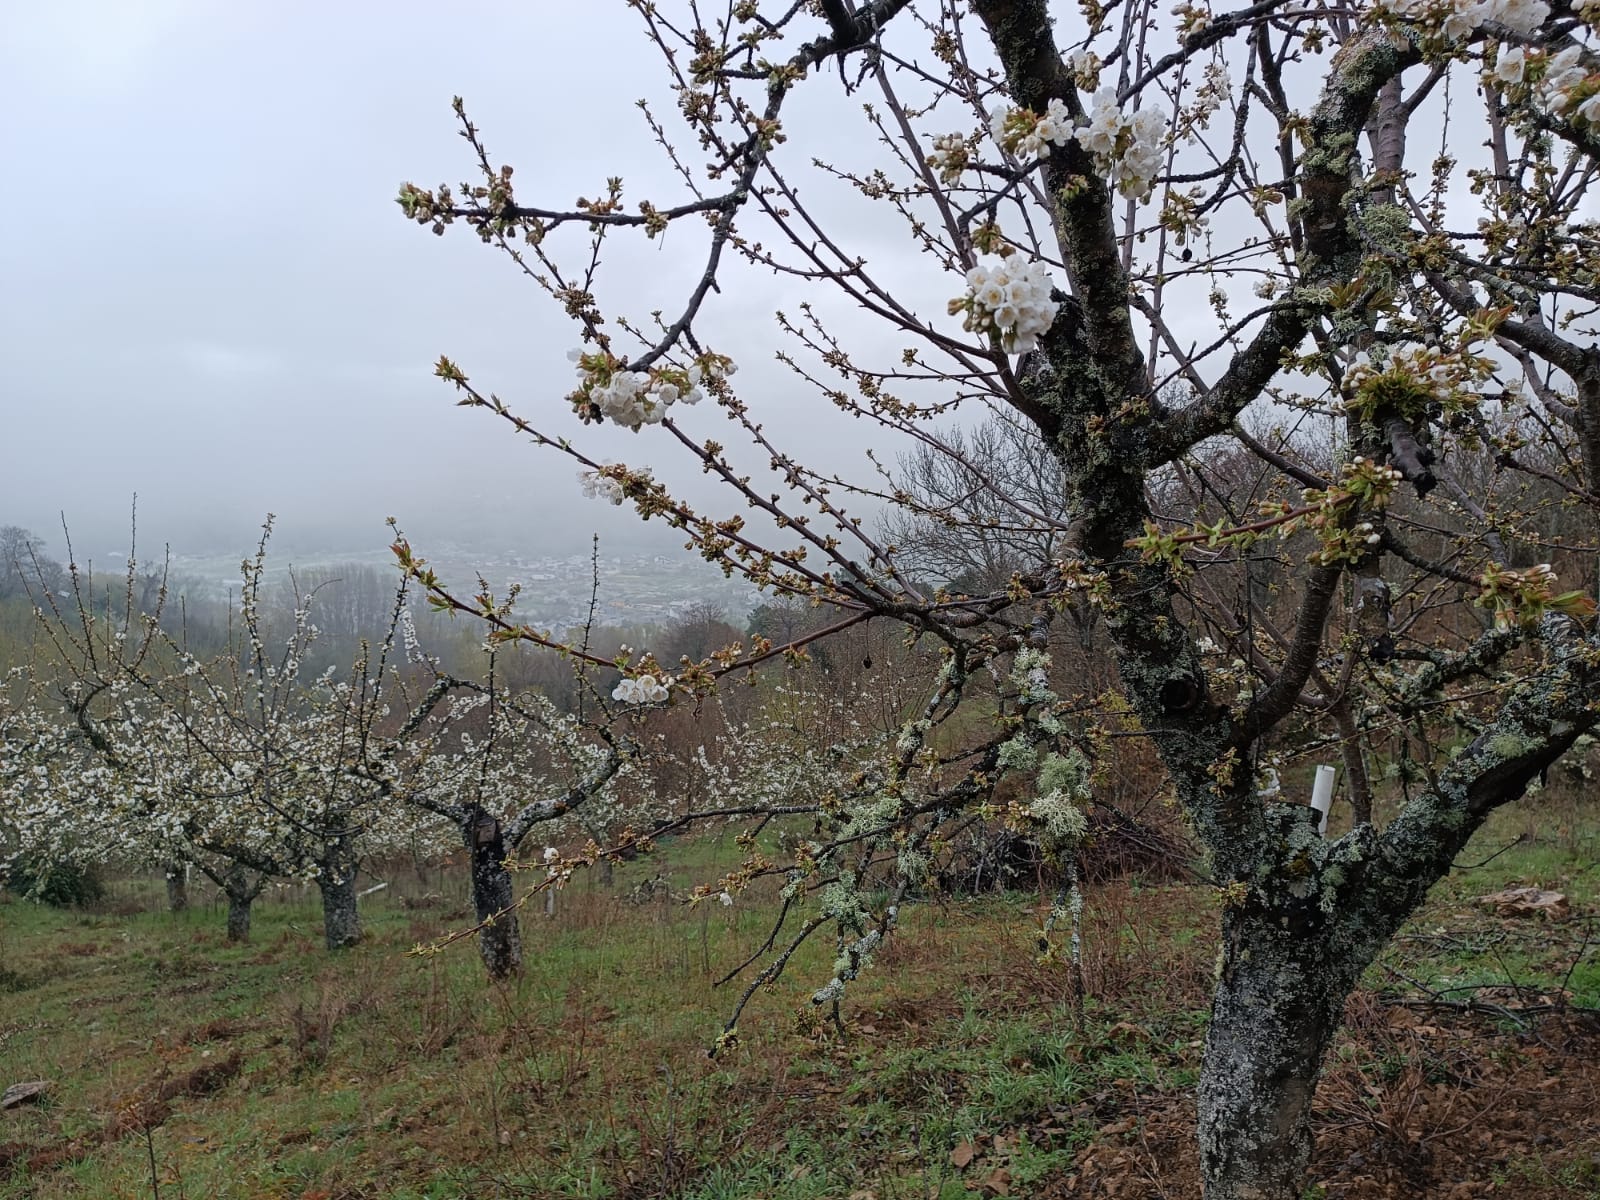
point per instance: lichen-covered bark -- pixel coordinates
(1316, 913)
(241, 889)
(1304, 917)
(341, 919)
(1272, 1018)
(239, 918)
(493, 894)
(1536, 724)
(177, 874)
(1277, 1006)
(1287, 966)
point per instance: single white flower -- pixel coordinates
(1511, 65)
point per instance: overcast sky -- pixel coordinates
(209, 298)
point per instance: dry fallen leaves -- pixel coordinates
(1528, 902)
(998, 1182)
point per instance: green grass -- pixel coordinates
(375, 1074)
(1462, 952)
(585, 1077)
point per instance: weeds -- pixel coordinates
(958, 1073)
(312, 1025)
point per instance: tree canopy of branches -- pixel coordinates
(975, 508)
(1133, 231)
(24, 564)
(249, 768)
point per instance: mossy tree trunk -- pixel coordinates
(493, 894)
(1285, 973)
(241, 888)
(336, 881)
(1303, 917)
(239, 908)
(1271, 1022)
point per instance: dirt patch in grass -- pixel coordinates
(13, 981)
(11, 1155)
(149, 1107)
(222, 1029)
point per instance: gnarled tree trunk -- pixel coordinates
(1297, 938)
(241, 891)
(239, 918)
(493, 894)
(341, 919)
(177, 875)
(1275, 1011)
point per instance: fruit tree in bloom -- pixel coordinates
(1301, 300)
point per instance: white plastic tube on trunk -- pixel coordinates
(1322, 796)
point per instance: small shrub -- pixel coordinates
(13, 981)
(58, 884)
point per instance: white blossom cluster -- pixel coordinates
(598, 485)
(408, 635)
(636, 398)
(1009, 298)
(1560, 83)
(1126, 146)
(1458, 19)
(1521, 597)
(1028, 135)
(1085, 66)
(643, 689)
(1448, 376)
(796, 752)
(1191, 17)
(949, 157)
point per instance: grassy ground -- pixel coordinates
(184, 1065)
